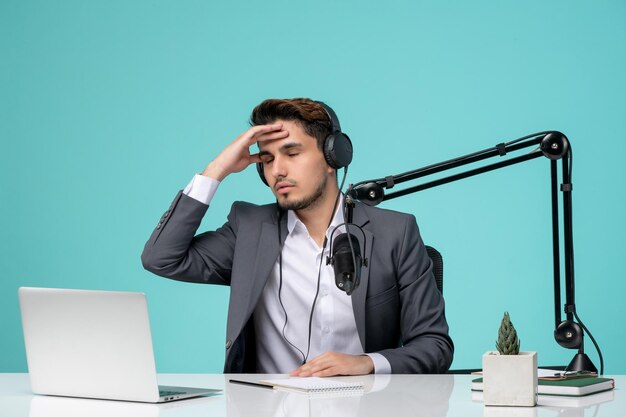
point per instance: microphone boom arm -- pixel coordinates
(552, 144)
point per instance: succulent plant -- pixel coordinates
(507, 343)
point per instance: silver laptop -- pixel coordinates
(93, 344)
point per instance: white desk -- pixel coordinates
(386, 396)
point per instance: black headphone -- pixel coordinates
(337, 146)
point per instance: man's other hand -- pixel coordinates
(333, 363)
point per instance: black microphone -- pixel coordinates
(347, 273)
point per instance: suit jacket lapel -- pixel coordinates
(266, 256)
(264, 260)
(360, 293)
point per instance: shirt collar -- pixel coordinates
(293, 220)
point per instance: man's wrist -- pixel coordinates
(368, 362)
(213, 170)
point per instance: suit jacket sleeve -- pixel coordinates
(173, 251)
(426, 346)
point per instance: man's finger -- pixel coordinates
(251, 134)
(281, 134)
(255, 158)
(327, 372)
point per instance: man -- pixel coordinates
(285, 313)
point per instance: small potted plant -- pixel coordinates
(509, 376)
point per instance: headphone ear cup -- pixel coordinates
(261, 171)
(338, 150)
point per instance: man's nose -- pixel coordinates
(278, 168)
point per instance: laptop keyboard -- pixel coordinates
(164, 392)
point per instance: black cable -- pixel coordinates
(593, 340)
(532, 135)
(319, 274)
(317, 292)
(586, 330)
(569, 184)
(352, 253)
(280, 282)
(345, 225)
(343, 180)
(571, 162)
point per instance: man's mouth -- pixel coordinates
(283, 187)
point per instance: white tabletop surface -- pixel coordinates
(385, 396)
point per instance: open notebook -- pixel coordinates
(314, 385)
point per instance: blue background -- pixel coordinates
(107, 109)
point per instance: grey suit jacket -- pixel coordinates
(398, 310)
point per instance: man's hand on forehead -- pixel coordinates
(236, 156)
(263, 133)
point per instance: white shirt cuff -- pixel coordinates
(381, 364)
(201, 188)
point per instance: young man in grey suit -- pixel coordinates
(285, 313)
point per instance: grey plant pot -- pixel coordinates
(510, 380)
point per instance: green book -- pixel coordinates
(575, 387)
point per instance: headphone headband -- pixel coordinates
(337, 147)
(335, 126)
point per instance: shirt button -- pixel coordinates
(229, 343)
(326, 330)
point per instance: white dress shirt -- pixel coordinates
(333, 326)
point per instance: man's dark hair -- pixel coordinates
(306, 112)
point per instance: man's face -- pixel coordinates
(295, 168)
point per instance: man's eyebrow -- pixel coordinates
(290, 145)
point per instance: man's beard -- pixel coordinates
(307, 201)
